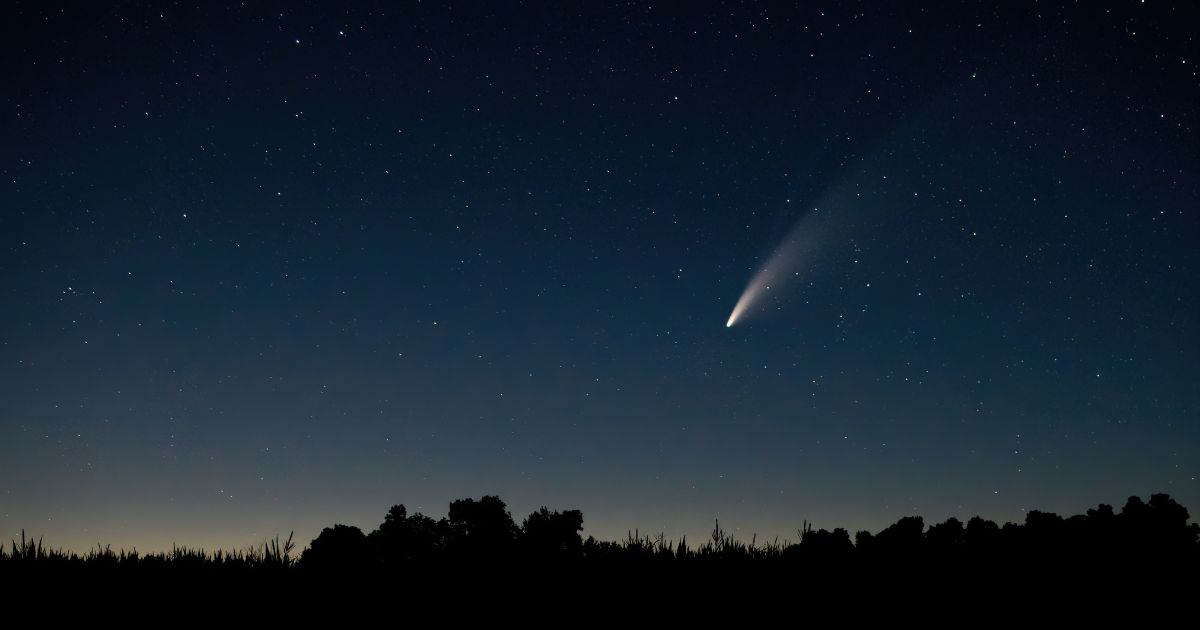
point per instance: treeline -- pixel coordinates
(483, 533)
(1154, 531)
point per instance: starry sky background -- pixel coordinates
(271, 267)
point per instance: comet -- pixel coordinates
(784, 265)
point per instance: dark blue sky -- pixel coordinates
(273, 267)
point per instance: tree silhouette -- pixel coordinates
(947, 538)
(553, 535)
(1044, 534)
(904, 537)
(821, 545)
(1157, 527)
(982, 537)
(403, 539)
(480, 529)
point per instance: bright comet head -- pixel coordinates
(742, 304)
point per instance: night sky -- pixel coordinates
(274, 266)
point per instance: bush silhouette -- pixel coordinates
(337, 548)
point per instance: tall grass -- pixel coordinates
(720, 546)
(272, 554)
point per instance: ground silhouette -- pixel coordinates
(1144, 538)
